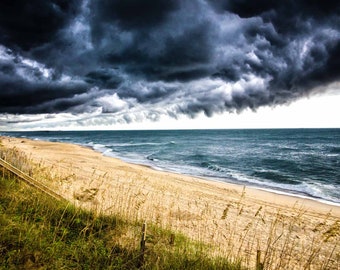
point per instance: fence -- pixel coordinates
(29, 180)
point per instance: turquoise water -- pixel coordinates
(303, 162)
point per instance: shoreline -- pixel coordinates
(278, 191)
(231, 182)
(252, 189)
(232, 219)
(303, 191)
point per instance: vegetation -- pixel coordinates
(39, 232)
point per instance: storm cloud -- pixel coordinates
(129, 60)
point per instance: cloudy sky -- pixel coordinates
(108, 64)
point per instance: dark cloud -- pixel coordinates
(133, 14)
(27, 86)
(27, 24)
(20, 97)
(266, 8)
(166, 44)
(292, 22)
(164, 56)
(104, 78)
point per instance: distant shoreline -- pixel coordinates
(264, 187)
(295, 197)
(248, 185)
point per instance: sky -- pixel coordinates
(162, 64)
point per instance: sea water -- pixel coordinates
(300, 162)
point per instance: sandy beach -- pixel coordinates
(234, 220)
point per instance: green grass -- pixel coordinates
(39, 232)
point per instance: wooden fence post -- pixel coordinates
(259, 265)
(172, 239)
(142, 245)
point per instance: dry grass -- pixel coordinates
(229, 227)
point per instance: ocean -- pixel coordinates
(299, 162)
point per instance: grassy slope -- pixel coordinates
(38, 232)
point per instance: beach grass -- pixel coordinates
(195, 234)
(40, 232)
